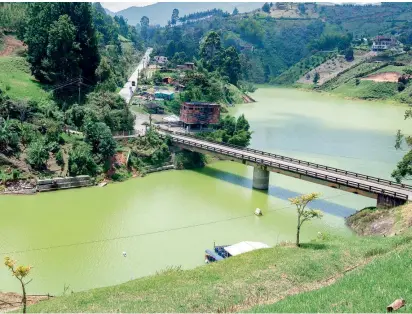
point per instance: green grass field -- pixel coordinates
(391, 68)
(367, 90)
(259, 277)
(17, 81)
(368, 289)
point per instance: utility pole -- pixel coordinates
(80, 84)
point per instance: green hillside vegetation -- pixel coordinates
(295, 72)
(16, 80)
(259, 277)
(367, 89)
(369, 289)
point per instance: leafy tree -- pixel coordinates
(349, 54)
(20, 273)
(61, 34)
(230, 65)
(316, 78)
(235, 11)
(304, 214)
(81, 161)
(144, 25)
(175, 16)
(210, 50)
(8, 135)
(404, 167)
(99, 136)
(266, 7)
(242, 124)
(302, 8)
(38, 154)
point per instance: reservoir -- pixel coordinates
(76, 238)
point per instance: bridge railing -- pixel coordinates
(307, 163)
(309, 173)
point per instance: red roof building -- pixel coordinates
(199, 114)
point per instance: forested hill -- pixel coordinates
(159, 13)
(276, 37)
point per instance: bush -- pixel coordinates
(59, 158)
(81, 161)
(38, 154)
(401, 86)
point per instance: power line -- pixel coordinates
(153, 232)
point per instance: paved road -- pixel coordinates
(127, 91)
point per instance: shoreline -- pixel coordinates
(338, 96)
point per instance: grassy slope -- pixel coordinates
(16, 80)
(367, 89)
(368, 289)
(260, 277)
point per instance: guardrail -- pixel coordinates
(306, 163)
(313, 174)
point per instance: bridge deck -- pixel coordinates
(350, 179)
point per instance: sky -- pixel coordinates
(118, 6)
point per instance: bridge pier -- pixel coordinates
(386, 201)
(260, 178)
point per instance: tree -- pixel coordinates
(61, 41)
(175, 16)
(99, 136)
(266, 7)
(404, 167)
(38, 154)
(304, 214)
(230, 65)
(144, 25)
(19, 272)
(235, 11)
(301, 8)
(210, 50)
(349, 54)
(316, 78)
(242, 124)
(81, 161)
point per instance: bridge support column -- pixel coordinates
(385, 201)
(260, 178)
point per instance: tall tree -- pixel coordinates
(230, 65)
(175, 16)
(210, 50)
(43, 34)
(235, 11)
(144, 24)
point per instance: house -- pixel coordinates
(165, 94)
(153, 107)
(199, 114)
(247, 47)
(188, 66)
(167, 80)
(381, 43)
(178, 87)
(160, 59)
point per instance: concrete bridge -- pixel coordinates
(387, 193)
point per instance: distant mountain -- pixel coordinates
(108, 12)
(159, 13)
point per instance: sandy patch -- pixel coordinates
(10, 301)
(383, 77)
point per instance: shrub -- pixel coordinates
(38, 154)
(59, 158)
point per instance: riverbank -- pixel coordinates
(239, 283)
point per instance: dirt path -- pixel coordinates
(11, 44)
(10, 301)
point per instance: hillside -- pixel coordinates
(159, 13)
(239, 283)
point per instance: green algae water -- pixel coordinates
(76, 238)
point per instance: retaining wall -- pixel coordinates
(63, 183)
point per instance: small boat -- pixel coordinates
(102, 184)
(224, 251)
